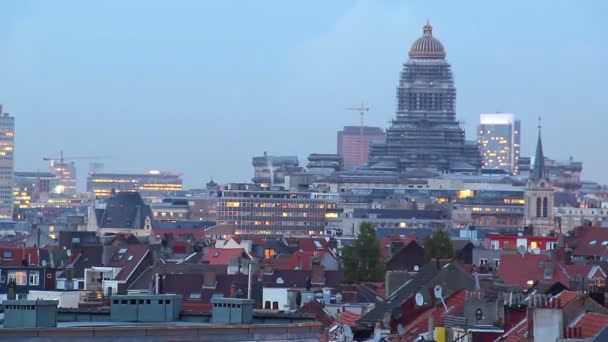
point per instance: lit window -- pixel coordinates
(530, 282)
(533, 244)
(331, 215)
(19, 276)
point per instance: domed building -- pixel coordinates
(425, 133)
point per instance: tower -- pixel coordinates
(7, 164)
(539, 195)
(425, 132)
(498, 136)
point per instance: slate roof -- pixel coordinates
(133, 255)
(88, 257)
(423, 278)
(125, 210)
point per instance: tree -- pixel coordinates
(438, 245)
(363, 261)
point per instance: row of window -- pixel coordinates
(140, 301)
(21, 278)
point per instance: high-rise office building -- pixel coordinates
(271, 170)
(354, 143)
(66, 174)
(499, 142)
(425, 133)
(7, 164)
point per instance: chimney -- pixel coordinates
(233, 290)
(318, 272)
(209, 280)
(106, 254)
(548, 320)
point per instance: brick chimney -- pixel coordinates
(318, 272)
(209, 280)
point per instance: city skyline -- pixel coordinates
(110, 88)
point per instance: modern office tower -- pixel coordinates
(354, 143)
(152, 186)
(425, 134)
(499, 142)
(7, 164)
(66, 173)
(256, 211)
(271, 170)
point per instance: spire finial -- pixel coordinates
(427, 29)
(539, 123)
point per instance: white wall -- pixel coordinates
(67, 299)
(275, 295)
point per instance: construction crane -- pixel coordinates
(361, 110)
(62, 160)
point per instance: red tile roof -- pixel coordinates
(297, 260)
(222, 256)
(591, 241)
(14, 256)
(567, 296)
(179, 233)
(349, 318)
(420, 325)
(308, 244)
(519, 332)
(592, 323)
(517, 269)
(128, 260)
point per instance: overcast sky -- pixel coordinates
(199, 87)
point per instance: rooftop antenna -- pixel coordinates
(362, 110)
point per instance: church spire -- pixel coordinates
(538, 170)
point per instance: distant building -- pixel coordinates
(354, 145)
(499, 142)
(7, 164)
(425, 133)
(255, 211)
(29, 186)
(66, 173)
(152, 185)
(324, 164)
(564, 174)
(271, 170)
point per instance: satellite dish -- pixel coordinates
(43, 263)
(529, 249)
(400, 329)
(348, 332)
(416, 268)
(69, 253)
(438, 291)
(521, 249)
(419, 299)
(536, 250)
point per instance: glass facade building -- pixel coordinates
(7, 164)
(499, 142)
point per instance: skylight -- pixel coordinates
(122, 251)
(216, 254)
(604, 243)
(130, 258)
(318, 244)
(592, 242)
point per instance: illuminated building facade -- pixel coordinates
(499, 142)
(153, 185)
(29, 186)
(66, 173)
(425, 133)
(276, 212)
(350, 140)
(7, 164)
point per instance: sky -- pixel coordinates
(200, 87)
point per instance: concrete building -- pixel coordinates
(425, 133)
(152, 186)
(323, 164)
(30, 186)
(569, 218)
(66, 173)
(257, 211)
(271, 170)
(354, 143)
(499, 142)
(7, 164)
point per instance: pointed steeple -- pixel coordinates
(538, 170)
